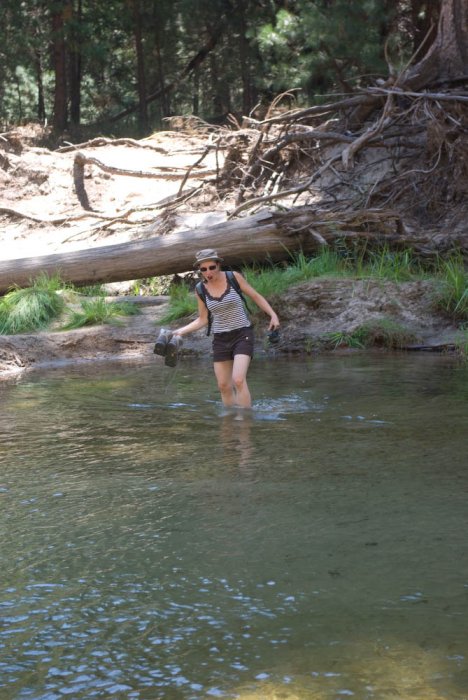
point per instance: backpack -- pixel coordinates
(201, 291)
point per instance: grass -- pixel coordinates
(452, 295)
(182, 302)
(384, 333)
(31, 308)
(392, 265)
(98, 311)
(274, 279)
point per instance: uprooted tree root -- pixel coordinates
(388, 164)
(410, 156)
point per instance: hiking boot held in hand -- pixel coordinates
(162, 341)
(273, 336)
(172, 351)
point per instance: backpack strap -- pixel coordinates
(201, 291)
(234, 283)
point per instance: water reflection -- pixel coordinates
(235, 439)
(154, 546)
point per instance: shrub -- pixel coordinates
(31, 308)
(98, 311)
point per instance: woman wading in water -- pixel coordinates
(221, 306)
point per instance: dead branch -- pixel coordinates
(318, 110)
(112, 218)
(284, 193)
(102, 141)
(377, 128)
(195, 165)
(439, 96)
(169, 173)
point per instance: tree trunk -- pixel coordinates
(41, 113)
(191, 66)
(59, 15)
(141, 76)
(447, 58)
(75, 67)
(249, 239)
(264, 236)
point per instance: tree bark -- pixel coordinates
(75, 64)
(60, 14)
(141, 72)
(264, 236)
(447, 58)
(253, 238)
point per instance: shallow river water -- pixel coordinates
(153, 547)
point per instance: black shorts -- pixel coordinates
(237, 342)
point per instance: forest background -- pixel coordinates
(123, 66)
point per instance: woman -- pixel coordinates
(233, 339)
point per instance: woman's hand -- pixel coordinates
(274, 322)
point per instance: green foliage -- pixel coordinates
(382, 332)
(394, 265)
(273, 279)
(182, 303)
(252, 50)
(452, 296)
(98, 311)
(32, 308)
(316, 45)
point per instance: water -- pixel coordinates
(154, 547)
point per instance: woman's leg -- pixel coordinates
(223, 373)
(239, 380)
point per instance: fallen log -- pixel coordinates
(244, 240)
(264, 236)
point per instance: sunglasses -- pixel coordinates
(210, 267)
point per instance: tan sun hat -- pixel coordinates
(206, 254)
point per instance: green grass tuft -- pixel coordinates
(182, 302)
(384, 333)
(452, 296)
(98, 311)
(32, 308)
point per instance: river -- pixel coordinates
(153, 546)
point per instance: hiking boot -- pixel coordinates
(172, 351)
(162, 341)
(273, 336)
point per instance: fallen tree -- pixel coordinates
(266, 235)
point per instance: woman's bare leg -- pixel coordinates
(239, 380)
(223, 373)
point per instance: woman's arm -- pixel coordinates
(199, 322)
(261, 302)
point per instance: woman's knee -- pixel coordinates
(239, 381)
(224, 384)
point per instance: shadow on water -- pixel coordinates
(155, 545)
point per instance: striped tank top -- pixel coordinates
(228, 311)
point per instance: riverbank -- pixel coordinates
(42, 213)
(321, 315)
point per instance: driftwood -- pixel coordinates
(266, 235)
